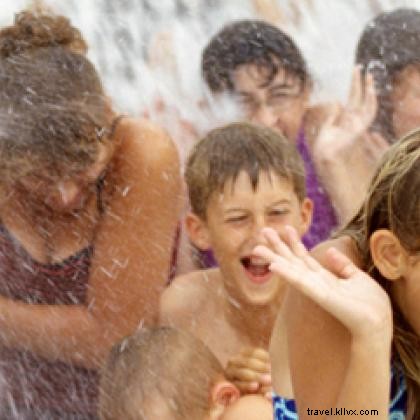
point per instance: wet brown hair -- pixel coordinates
(52, 104)
(393, 203)
(158, 365)
(225, 152)
(388, 44)
(250, 42)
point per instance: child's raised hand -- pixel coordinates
(344, 127)
(250, 371)
(342, 289)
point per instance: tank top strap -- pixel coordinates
(100, 183)
(115, 123)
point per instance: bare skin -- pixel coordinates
(206, 296)
(343, 151)
(132, 254)
(233, 301)
(342, 320)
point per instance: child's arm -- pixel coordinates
(340, 360)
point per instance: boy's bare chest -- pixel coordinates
(222, 338)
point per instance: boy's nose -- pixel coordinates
(259, 238)
(265, 115)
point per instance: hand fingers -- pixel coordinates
(266, 253)
(314, 284)
(242, 374)
(276, 243)
(269, 395)
(296, 245)
(356, 94)
(247, 387)
(370, 101)
(333, 116)
(257, 353)
(340, 265)
(267, 392)
(266, 380)
(294, 242)
(239, 362)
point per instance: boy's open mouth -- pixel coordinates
(256, 268)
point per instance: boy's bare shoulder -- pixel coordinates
(344, 244)
(187, 294)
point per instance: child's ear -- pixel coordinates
(223, 394)
(306, 209)
(197, 231)
(388, 254)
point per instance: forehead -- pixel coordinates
(70, 169)
(261, 77)
(269, 186)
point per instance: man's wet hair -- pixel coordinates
(240, 147)
(250, 42)
(389, 43)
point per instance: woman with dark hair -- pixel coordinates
(88, 213)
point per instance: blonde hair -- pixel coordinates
(158, 364)
(393, 203)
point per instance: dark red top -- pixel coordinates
(31, 382)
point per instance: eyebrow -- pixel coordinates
(280, 87)
(247, 94)
(276, 203)
(282, 201)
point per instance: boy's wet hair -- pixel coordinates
(53, 108)
(388, 44)
(250, 42)
(227, 151)
(162, 367)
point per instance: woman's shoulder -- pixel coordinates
(144, 140)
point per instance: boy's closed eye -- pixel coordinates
(237, 219)
(278, 212)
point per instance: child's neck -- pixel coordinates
(251, 321)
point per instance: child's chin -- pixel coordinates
(261, 298)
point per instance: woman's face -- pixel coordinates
(71, 191)
(405, 99)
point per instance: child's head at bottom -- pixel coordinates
(164, 373)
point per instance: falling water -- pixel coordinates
(147, 50)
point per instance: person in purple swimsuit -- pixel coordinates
(82, 258)
(264, 70)
(262, 67)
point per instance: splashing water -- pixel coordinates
(148, 52)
